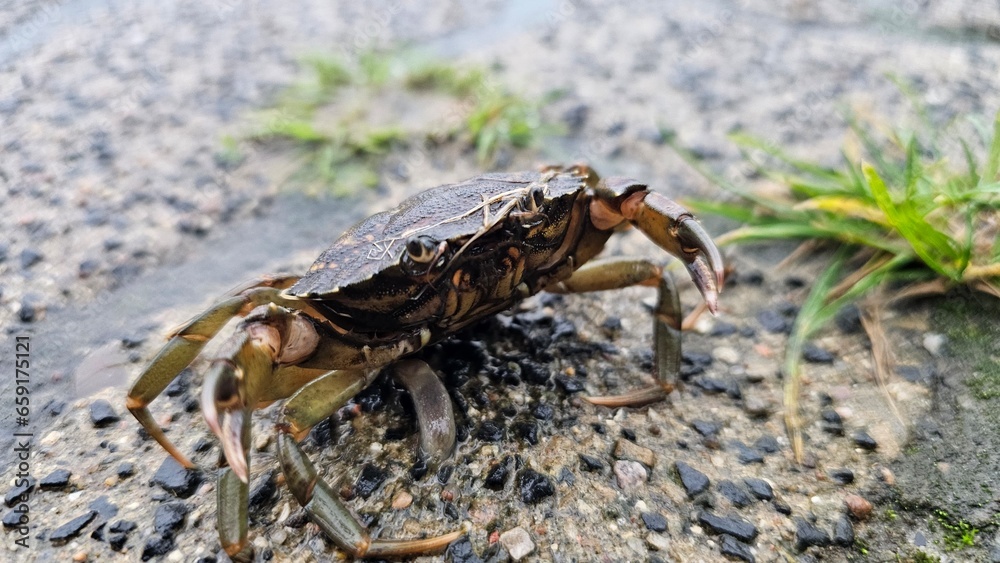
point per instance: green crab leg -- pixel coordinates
(335, 519)
(617, 273)
(321, 398)
(187, 341)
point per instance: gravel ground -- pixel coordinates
(124, 220)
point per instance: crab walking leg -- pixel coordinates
(187, 341)
(435, 415)
(335, 519)
(617, 273)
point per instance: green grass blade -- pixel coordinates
(993, 159)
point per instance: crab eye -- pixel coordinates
(421, 249)
(534, 198)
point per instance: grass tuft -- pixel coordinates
(896, 211)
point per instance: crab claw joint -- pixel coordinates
(227, 414)
(675, 230)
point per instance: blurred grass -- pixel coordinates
(341, 153)
(897, 212)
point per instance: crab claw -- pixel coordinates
(675, 230)
(227, 415)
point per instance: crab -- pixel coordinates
(401, 280)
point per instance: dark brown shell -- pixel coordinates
(450, 212)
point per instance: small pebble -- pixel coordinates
(517, 542)
(125, 469)
(156, 546)
(858, 507)
(694, 482)
(759, 488)
(726, 355)
(626, 449)
(706, 427)
(30, 257)
(654, 521)
(102, 414)
(490, 431)
(935, 343)
(58, 479)
(848, 319)
(534, 486)
(807, 535)
(590, 463)
(22, 486)
(843, 532)
(767, 444)
(658, 542)
(72, 528)
(782, 507)
(842, 476)
(402, 500)
(735, 548)
(736, 527)
(169, 518)
(176, 479)
(734, 493)
(864, 441)
(773, 322)
(630, 474)
(816, 355)
(496, 477)
(370, 479)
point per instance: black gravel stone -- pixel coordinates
(694, 482)
(782, 507)
(701, 359)
(736, 527)
(576, 117)
(566, 476)
(176, 479)
(527, 430)
(590, 463)
(654, 521)
(371, 478)
(843, 532)
(759, 488)
(102, 414)
(22, 485)
(832, 423)
(490, 431)
(733, 547)
(156, 546)
(745, 454)
(460, 551)
(262, 494)
(496, 477)
(767, 444)
(444, 473)
(864, 441)
(774, 322)
(842, 476)
(706, 428)
(569, 384)
(30, 257)
(534, 486)
(117, 541)
(816, 355)
(71, 529)
(753, 277)
(104, 508)
(13, 519)
(543, 411)
(807, 535)
(122, 527)
(169, 518)
(848, 319)
(54, 407)
(58, 479)
(722, 328)
(735, 493)
(29, 310)
(88, 268)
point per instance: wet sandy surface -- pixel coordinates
(123, 221)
